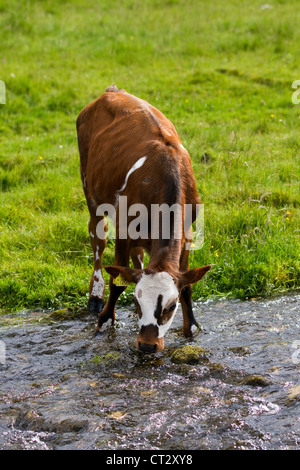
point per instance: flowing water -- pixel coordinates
(62, 387)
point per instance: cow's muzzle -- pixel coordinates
(148, 341)
(147, 348)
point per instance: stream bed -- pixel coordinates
(62, 387)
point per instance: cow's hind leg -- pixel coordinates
(96, 291)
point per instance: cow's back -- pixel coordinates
(117, 130)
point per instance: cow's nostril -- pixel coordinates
(147, 348)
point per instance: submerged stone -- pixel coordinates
(240, 350)
(189, 355)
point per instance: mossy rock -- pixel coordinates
(68, 313)
(61, 314)
(216, 367)
(255, 381)
(189, 355)
(106, 358)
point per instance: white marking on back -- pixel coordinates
(83, 179)
(98, 286)
(134, 167)
(141, 262)
(97, 253)
(92, 235)
(93, 203)
(151, 286)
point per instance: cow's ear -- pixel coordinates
(192, 276)
(124, 274)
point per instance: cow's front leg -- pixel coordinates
(190, 325)
(97, 285)
(108, 313)
(121, 259)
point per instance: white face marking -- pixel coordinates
(147, 291)
(134, 167)
(98, 286)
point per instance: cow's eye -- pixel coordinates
(172, 307)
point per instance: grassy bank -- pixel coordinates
(221, 71)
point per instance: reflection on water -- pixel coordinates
(64, 388)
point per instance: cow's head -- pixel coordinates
(156, 297)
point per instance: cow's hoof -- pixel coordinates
(95, 304)
(192, 331)
(195, 329)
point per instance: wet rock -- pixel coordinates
(255, 381)
(69, 425)
(240, 350)
(202, 391)
(29, 420)
(106, 358)
(216, 367)
(67, 314)
(118, 415)
(61, 314)
(189, 355)
(149, 393)
(294, 393)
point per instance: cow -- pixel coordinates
(128, 148)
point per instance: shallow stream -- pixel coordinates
(64, 388)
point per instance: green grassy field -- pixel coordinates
(221, 71)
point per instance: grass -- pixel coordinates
(221, 71)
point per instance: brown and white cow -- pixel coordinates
(129, 148)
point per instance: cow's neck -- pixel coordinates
(165, 252)
(165, 255)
